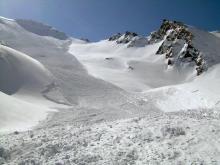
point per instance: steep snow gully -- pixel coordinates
(128, 99)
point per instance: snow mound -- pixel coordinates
(41, 29)
(24, 77)
(18, 71)
(18, 115)
(201, 93)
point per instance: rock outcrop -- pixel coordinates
(130, 38)
(177, 45)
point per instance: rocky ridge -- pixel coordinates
(177, 44)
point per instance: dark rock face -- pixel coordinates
(130, 38)
(126, 38)
(179, 31)
(123, 38)
(85, 39)
(177, 44)
(176, 33)
(115, 37)
(108, 58)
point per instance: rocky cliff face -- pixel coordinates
(177, 45)
(123, 38)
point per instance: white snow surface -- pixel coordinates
(19, 115)
(21, 71)
(21, 75)
(133, 69)
(216, 33)
(123, 105)
(140, 70)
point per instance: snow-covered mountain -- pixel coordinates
(129, 99)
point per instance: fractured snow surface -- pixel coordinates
(152, 114)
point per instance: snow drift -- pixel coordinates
(18, 115)
(18, 71)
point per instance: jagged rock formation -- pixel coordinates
(138, 42)
(85, 39)
(115, 37)
(130, 38)
(126, 38)
(177, 45)
(123, 38)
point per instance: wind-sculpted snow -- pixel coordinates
(19, 115)
(21, 71)
(41, 29)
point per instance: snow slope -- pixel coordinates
(128, 106)
(208, 44)
(19, 71)
(41, 29)
(72, 81)
(67, 83)
(19, 115)
(202, 93)
(216, 33)
(141, 70)
(21, 75)
(133, 69)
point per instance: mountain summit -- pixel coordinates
(179, 44)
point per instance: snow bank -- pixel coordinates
(18, 115)
(21, 75)
(18, 71)
(202, 93)
(41, 29)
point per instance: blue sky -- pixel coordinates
(98, 19)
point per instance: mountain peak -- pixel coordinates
(123, 38)
(177, 45)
